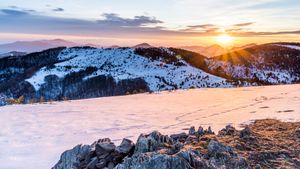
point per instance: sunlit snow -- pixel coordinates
(34, 136)
(125, 64)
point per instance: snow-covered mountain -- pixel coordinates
(275, 63)
(142, 45)
(86, 72)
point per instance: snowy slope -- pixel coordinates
(290, 46)
(269, 63)
(123, 63)
(34, 136)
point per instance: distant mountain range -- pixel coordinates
(214, 50)
(34, 46)
(37, 46)
(13, 53)
(40, 45)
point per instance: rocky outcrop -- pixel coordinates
(263, 144)
(70, 157)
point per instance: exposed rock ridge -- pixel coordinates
(263, 144)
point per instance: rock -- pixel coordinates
(191, 139)
(200, 131)
(228, 130)
(70, 157)
(215, 148)
(154, 161)
(246, 132)
(182, 151)
(192, 131)
(194, 159)
(92, 163)
(179, 137)
(209, 131)
(125, 147)
(101, 164)
(110, 165)
(152, 142)
(104, 147)
(221, 156)
(175, 148)
(257, 166)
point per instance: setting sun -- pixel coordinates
(224, 39)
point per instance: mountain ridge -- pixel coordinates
(85, 72)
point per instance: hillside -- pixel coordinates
(87, 72)
(276, 63)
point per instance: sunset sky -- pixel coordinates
(159, 22)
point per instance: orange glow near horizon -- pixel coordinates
(168, 41)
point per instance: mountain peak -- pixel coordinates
(143, 45)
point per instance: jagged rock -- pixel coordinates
(222, 156)
(104, 147)
(206, 152)
(209, 130)
(126, 146)
(175, 148)
(92, 163)
(215, 148)
(257, 166)
(297, 133)
(152, 142)
(200, 131)
(192, 131)
(154, 161)
(228, 130)
(101, 164)
(70, 157)
(179, 137)
(191, 139)
(246, 132)
(110, 165)
(194, 159)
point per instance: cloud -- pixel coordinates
(204, 26)
(12, 12)
(243, 24)
(110, 25)
(201, 28)
(265, 33)
(115, 19)
(58, 9)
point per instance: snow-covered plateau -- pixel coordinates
(33, 136)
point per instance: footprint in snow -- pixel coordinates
(264, 107)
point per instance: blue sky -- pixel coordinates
(159, 22)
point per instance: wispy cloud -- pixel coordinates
(113, 19)
(18, 20)
(243, 24)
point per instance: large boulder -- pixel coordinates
(154, 161)
(221, 156)
(152, 142)
(69, 158)
(125, 147)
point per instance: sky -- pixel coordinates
(165, 23)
